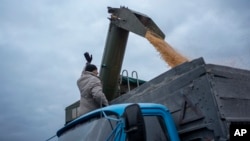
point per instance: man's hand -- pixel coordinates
(88, 57)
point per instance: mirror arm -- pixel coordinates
(132, 129)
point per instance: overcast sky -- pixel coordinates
(42, 44)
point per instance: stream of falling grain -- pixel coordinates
(172, 57)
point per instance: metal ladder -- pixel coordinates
(132, 76)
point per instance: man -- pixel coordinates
(90, 88)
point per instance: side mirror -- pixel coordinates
(134, 123)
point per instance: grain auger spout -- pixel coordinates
(122, 21)
(133, 21)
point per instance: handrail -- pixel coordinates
(137, 80)
(127, 79)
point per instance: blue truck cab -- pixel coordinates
(122, 122)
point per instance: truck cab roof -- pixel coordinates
(116, 109)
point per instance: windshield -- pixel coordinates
(96, 129)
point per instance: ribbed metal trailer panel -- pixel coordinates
(203, 98)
